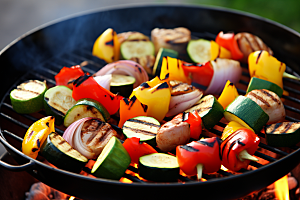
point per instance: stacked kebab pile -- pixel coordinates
(161, 118)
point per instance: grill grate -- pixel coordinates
(47, 71)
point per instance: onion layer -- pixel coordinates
(224, 69)
(125, 67)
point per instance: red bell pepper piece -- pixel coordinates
(228, 41)
(136, 149)
(201, 73)
(86, 87)
(237, 149)
(67, 75)
(202, 154)
(195, 123)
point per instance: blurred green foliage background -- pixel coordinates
(286, 12)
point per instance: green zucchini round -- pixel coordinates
(57, 101)
(283, 134)
(159, 167)
(122, 84)
(257, 83)
(142, 127)
(59, 152)
(86, 108)
(113, 161)
(199, 50)
(28, 97)
(210, 111)
(247, 113)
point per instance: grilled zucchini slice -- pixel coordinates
(257, 83)
(86, 108)
(136, 49)
(57, 101)
(142, 127)
(28, 97)
(113, 161)
(284, 134)
(159, 167)
(210, 111)
(246, 112)
(59, 152)
(122, 84)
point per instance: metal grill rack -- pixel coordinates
(47, 71)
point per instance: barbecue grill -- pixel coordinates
(41, 53)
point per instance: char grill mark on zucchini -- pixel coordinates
(283, 128)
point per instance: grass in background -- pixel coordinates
(281, 11)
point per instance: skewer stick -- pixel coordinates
(290, 76)
(244, 155)
(199, 171)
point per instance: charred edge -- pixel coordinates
(257, 59)
(110, 43)
(145, 85)
(166, 62)
(185, 116)
(30, 134)
(287, 127)
(112, 97)
(271, 96)
(138, 67)
(29, 91)
(132, 100)
(205, 143)
(34, 149)
(193, 64)
(203, 109)
(126, 101)
(230, 148)
(139, 131)
(47, 124)
(164, 85)
(178, 64)
(80, 80)
(189, 148)
(143, 122)
(145, 107)
(231, 84)
(274, 127)
(38, 143)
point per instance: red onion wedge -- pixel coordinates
(104, 80)
(224, 69)
(180, 103)
(125, 67)
(89, 136)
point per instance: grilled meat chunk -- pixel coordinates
(173, 133)
(95, 134)
(270, 103)
(249, 43)
(176, 39)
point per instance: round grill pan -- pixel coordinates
(41, 53)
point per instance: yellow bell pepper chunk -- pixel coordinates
(264, 66)
(173, 67)
(36, 135)
(155, 96)
(231, 127)
(217, 51)
(228, 94)
(107, 46)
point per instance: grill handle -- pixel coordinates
(17, 168)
